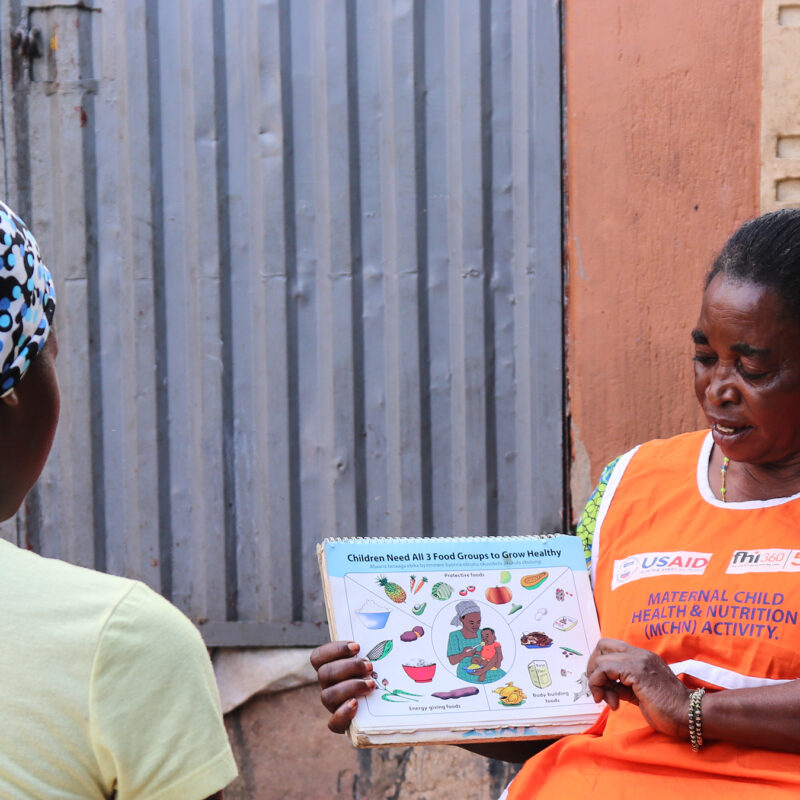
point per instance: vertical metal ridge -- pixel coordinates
(94, 300)
(222, 166)
(159, 298)
(487, 208)
(29, 534)
(292, 332)
(357, 269)
(544, 169)
(20, 76)
(423, 315)
(566, 417)
(3, 112)
(520, 241)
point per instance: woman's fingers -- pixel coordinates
(342, 716)
(343, 677)
(610, 691)
(340, 700)
(604, 681)
(611, 698)
(617, 671)
(335, 662)
(605, 646)
(336, 673)
(604, 673)
(332, 651)
(623, 673)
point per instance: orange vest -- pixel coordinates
(712, 588)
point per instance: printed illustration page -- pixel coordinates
(467, 634)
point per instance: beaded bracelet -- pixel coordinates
(696, 719)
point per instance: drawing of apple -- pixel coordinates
(498, 595)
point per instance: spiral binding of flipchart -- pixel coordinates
(443, 539)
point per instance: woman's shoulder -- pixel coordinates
(656, 460)
(680, 443)
(35, 589)
(144, 622)
(677, 446)
(674, 453)
(680, 452)
(35, 578)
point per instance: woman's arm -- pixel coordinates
(456, 651)
(763, 717)
(454, 658)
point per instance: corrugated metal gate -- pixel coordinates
(308, 257)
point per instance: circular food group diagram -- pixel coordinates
(490, 617)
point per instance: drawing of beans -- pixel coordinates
(467, 691)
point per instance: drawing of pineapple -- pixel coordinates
(393, 591)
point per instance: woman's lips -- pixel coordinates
(729, 433)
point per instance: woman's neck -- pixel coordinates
(745, 481)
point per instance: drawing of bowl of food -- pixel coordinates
(535, 639)
(372, 615)
(420, 670)
(474, 669)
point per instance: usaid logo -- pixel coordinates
(627, 568)
(649, 565)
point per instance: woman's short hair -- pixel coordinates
(765, 251)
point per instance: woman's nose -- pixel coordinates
(722, 386)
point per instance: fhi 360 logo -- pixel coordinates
(649, 565)
(773, 559)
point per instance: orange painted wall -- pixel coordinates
(663, 119)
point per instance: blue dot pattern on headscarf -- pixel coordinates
(27, 299)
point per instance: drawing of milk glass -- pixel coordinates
(540, 674)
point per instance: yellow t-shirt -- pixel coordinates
(104, 687)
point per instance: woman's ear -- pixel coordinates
(11, 399)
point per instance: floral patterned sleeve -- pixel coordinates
(589, 517)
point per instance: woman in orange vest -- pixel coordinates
(694, 546)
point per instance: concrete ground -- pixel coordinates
(285, 752)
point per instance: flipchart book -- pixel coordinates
(471, 639)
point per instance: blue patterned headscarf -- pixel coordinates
(27, 299)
